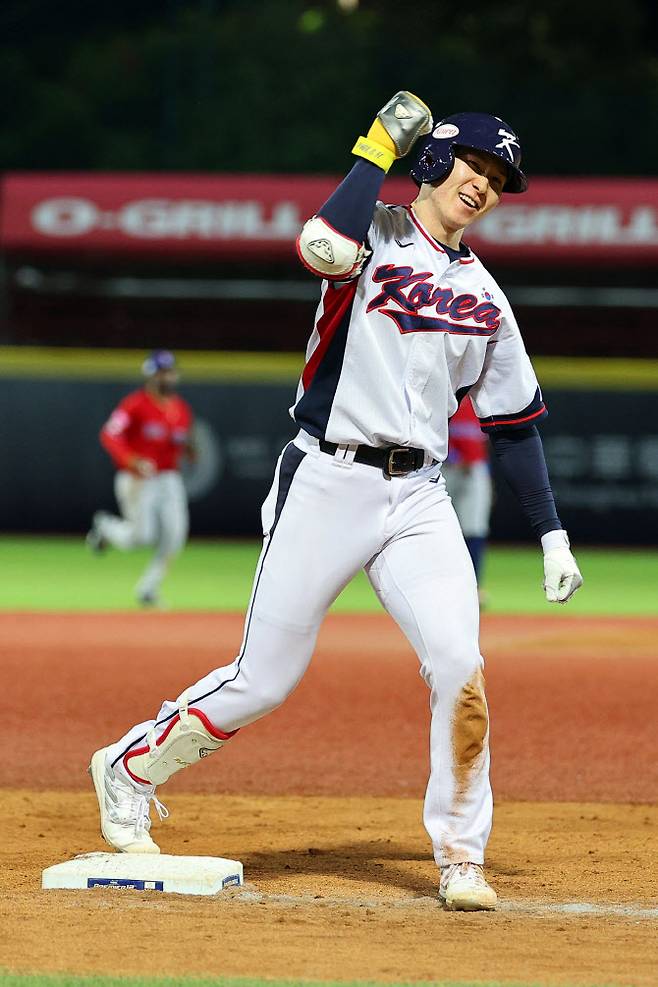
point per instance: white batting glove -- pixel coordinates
(561, 573)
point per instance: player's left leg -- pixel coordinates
(172, 517)
(424, 578)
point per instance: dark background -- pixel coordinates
(601, 448)
(284, 85)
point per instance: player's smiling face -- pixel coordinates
(479, 179)
(471, 190)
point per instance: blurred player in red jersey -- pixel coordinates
(468, 480)
(146, 435)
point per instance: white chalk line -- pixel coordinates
(578, 909)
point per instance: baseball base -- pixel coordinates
(145, 872)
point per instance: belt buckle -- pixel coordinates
(390, 469)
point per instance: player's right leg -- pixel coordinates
(321, 523)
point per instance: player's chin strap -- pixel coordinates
(189, 737)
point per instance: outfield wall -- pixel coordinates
(601, 441)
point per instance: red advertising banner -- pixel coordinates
(240, 216)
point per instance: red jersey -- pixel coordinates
(467, 443)
(149, 428)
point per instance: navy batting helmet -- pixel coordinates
(158, 360)
(478, 132)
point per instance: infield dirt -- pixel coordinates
(322, 803)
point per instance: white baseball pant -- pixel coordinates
(154, 512)
(324, 519)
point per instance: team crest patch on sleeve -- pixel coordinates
(322, 248)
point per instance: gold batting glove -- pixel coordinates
(395, 129)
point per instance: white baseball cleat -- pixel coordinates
(94, 539)
(125, 819)
(463, 888)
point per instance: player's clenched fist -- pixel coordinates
(561, 573)
(395, 129)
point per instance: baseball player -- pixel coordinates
(408, 322)
(146, 435)
(468, 481)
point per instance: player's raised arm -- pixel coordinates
(332, 243)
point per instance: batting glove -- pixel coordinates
(561, 573)
(395, 130)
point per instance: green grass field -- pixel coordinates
(60, 574)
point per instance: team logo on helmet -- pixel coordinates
(507, 141)
(445, 130)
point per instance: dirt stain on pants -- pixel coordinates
(470, 727)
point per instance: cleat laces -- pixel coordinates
(132, 808)
(473, 873)
(162, 810)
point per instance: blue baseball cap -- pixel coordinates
(158, 360)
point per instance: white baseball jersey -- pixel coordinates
(394, 350)
(391, 353)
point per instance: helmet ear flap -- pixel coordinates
(427, 160)
(430, 166)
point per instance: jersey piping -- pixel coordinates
(322, 371)
(535, 412)
(454, 255)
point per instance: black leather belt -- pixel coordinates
(392, 460)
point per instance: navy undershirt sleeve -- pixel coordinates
(350, 208)
(520, 454)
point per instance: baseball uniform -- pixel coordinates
(147, 428)
(405, 326)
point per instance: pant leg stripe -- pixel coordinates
(290, 462)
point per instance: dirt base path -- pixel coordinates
(572, 704)
(321, 802)
(340, 889)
